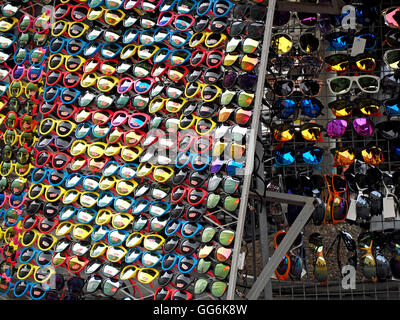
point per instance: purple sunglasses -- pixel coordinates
(362, 126)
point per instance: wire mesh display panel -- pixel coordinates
(319, 78)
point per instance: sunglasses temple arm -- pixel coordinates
(328, 251)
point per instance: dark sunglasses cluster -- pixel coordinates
(374, 254)
(124, 126)
(355, 92)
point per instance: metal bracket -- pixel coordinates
(265, 276)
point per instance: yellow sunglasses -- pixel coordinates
(209, 92)
(148, 241)
(22, 170)
(104, 83)
(73, 28)
(123, 186)
(71, 62)
(202, 125)
(144, 275)
(112, 253)
(111, 17)
(127, 153)
(11, 137)
(51, 193)
(87, 199)
(171, 105)
(63, 128)
(160, 173)
(18, 87)
(6, 23)
(210, 39)
(80, 231)
(45, 241)
(40, 274)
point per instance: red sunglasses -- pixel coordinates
(77, 12)
(59, 160)
(45, 225)
(200, 144)
(74, 264)
(165, 293)
(174, 73)
(194, 195)
(140, 86)
(135, 120)
(70, 79)
(213, 58)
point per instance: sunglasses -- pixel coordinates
(40, 24)
(284, 108)
(74, 29)
(43, 224)
(309, 132)
(176, 57)
(391, 17)
(44, 241)
(181, 22)
(309, 155)
(320, 266)
(220, 8)
(209, 39)
(71, 63)
(75, 12)
(362, 126)
(282, 18)
(285, 88)
(343, 84)
(37, 291)
(342, 62)
(341, 40)
(367, 106)
(282, 43)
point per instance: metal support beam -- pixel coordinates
(251, 148)
(264, 278)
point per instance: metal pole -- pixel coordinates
(251, 146)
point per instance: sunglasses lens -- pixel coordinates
(281, 43)
(363, 126)
(392, 58)
(308, 43)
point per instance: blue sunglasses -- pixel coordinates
(86, 128)
(185, 263)
(67, 95)
(27, 254)
(188, 228)
(40, 174)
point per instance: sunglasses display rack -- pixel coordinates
(124, 135)
(330, 131)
